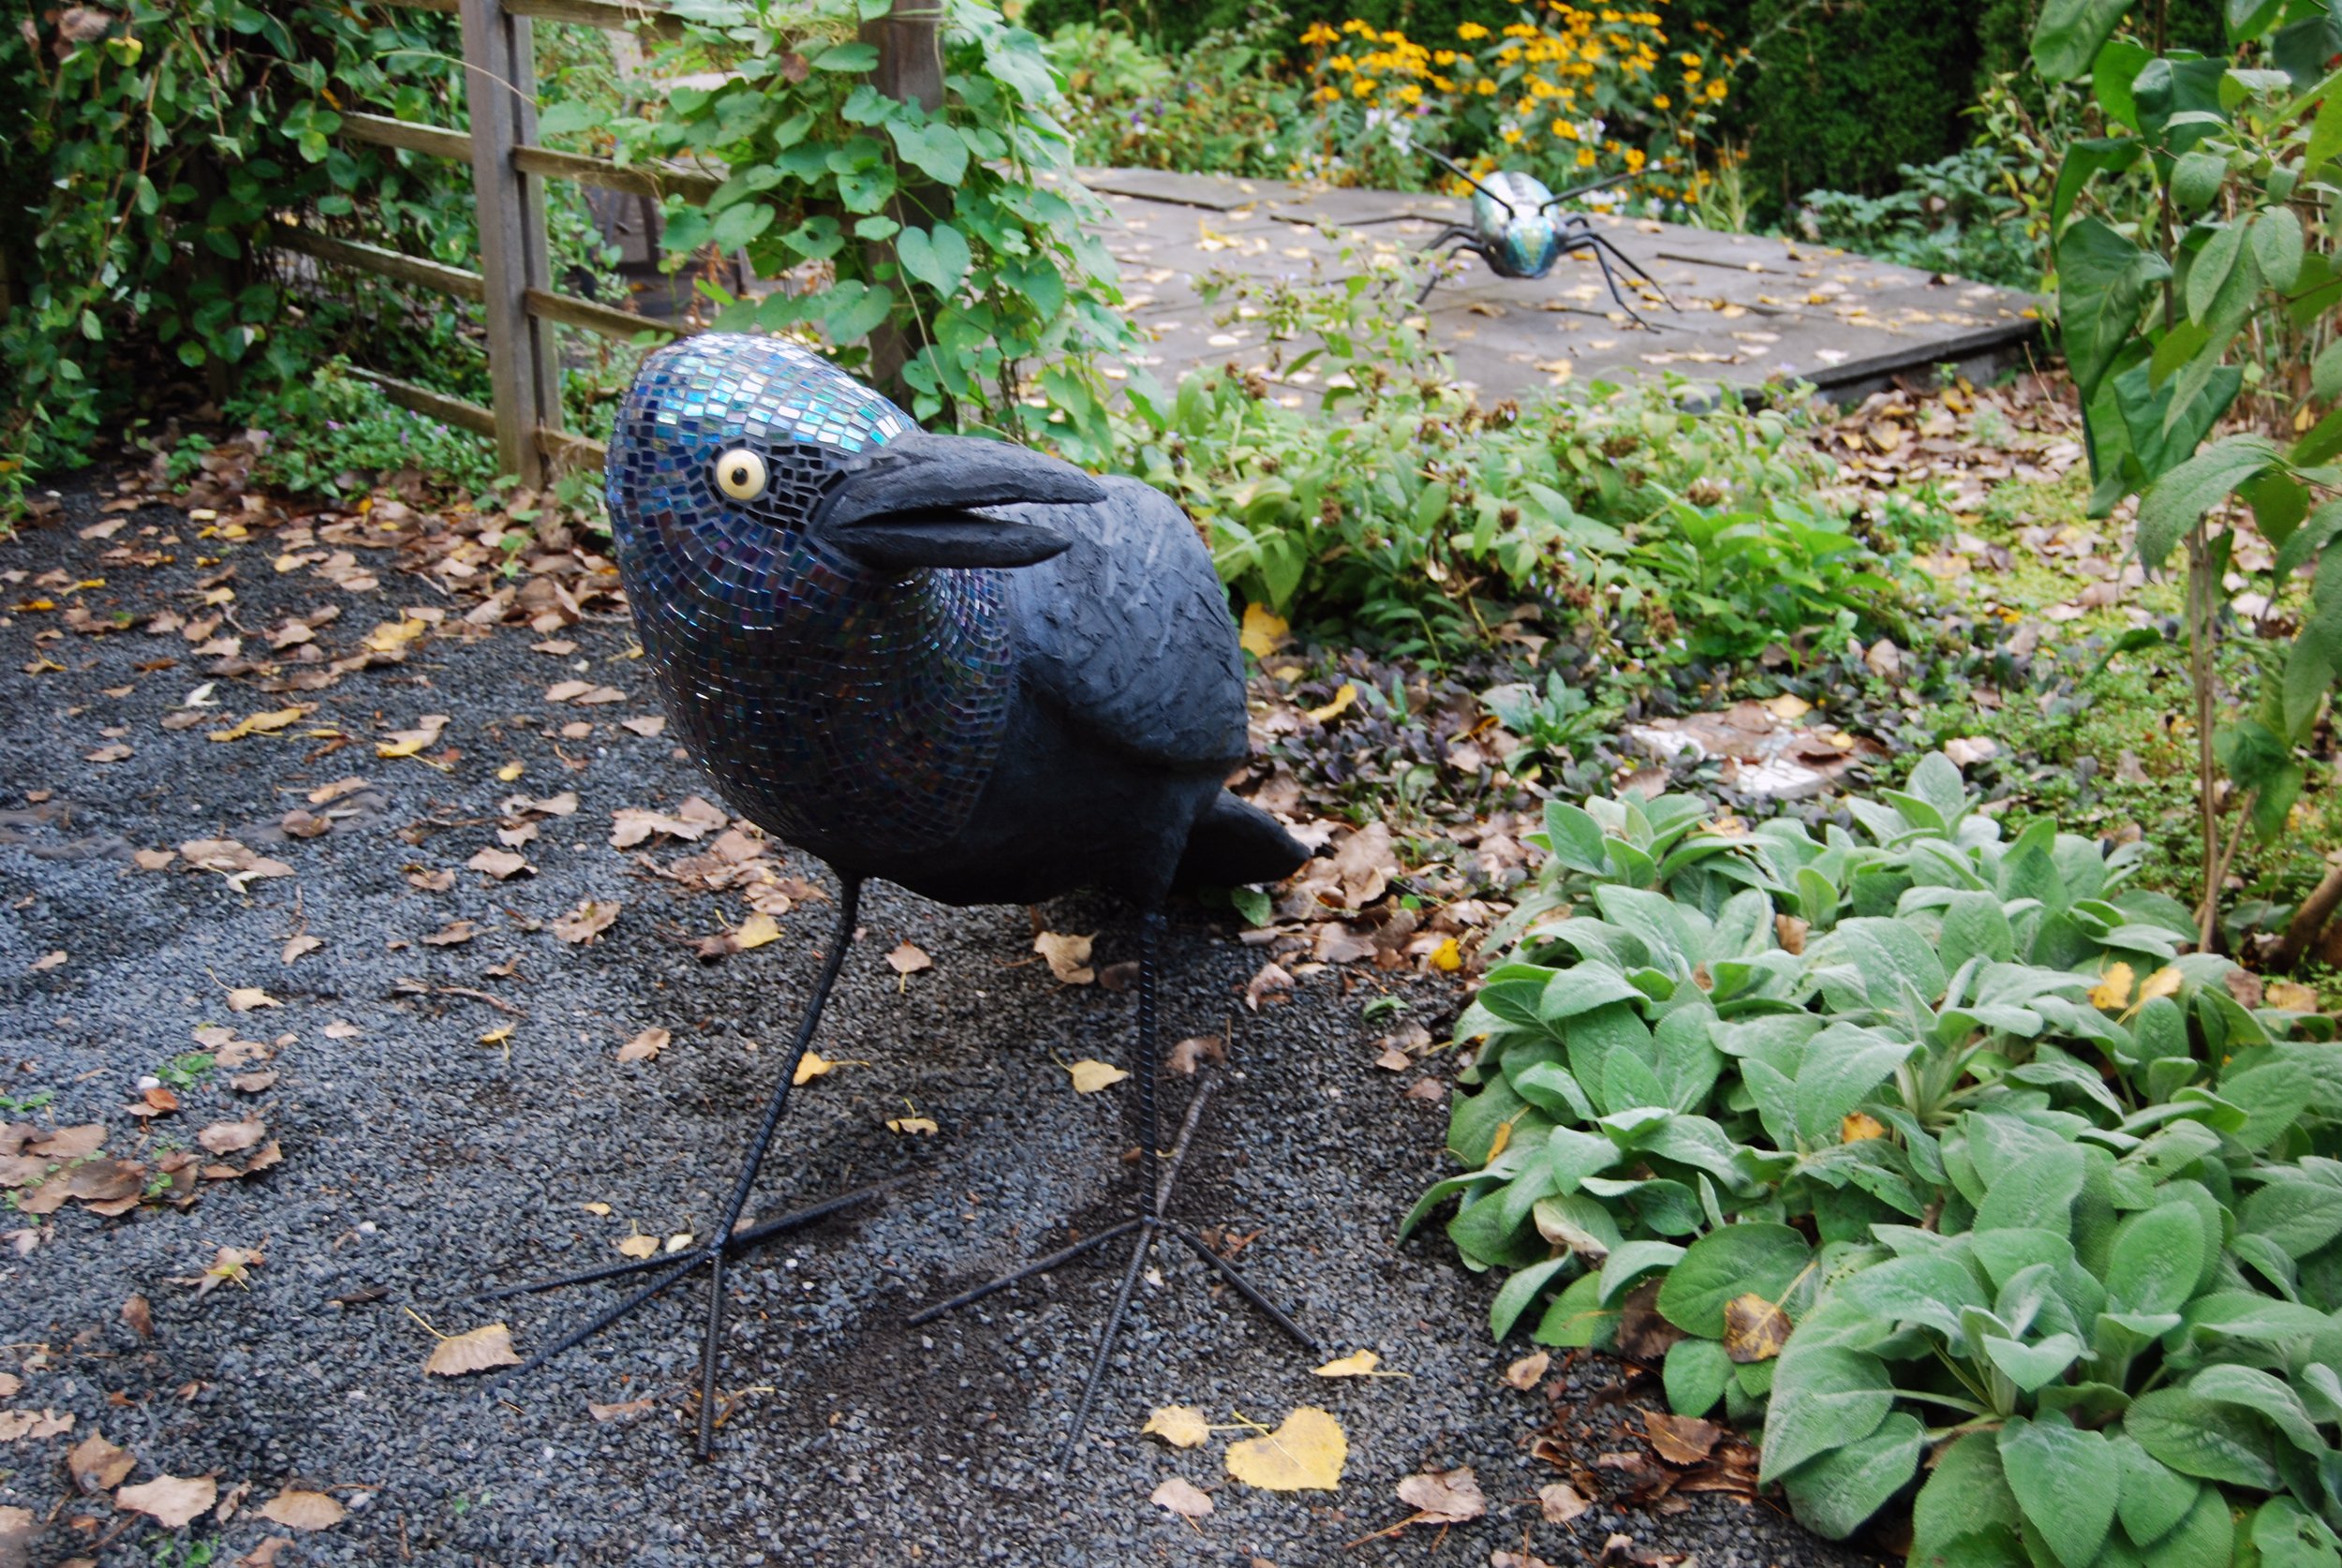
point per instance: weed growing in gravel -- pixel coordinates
(25, 1104)
(186, 1071)
(1924, 1124)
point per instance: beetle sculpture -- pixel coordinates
(955, 664)
(1516, 230)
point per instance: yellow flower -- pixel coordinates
(1635, 160)
(1512, 135)
(1444, 57)
(1485, 87)
(1585, 157)
(1354, 25)
(1341, 63)
(1410, 92)
(1327, 95)
(1691, 79)
(1470, 31)
(1362, 87)
(1443, 84)
(1661, 100)
(1318, 32)
(1716, 89)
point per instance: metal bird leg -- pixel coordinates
(729, 1238)
(1152, 1225)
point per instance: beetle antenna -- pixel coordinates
(1584, 190)
(1460, 173)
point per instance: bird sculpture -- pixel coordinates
(955, 664)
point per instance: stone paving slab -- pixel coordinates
(1747, 308)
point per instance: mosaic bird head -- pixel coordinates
(819, 584)
(744, 463)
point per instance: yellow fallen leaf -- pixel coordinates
(244, 998)
(1264, 629)
(259, 724)
(913, 1126)
(601, 1209)
(645, 1046)
(811, 1066)
(1447, 958)
(639, 1246)
(511, 771)
(908, 958)
(1306, 1454)
(391, 636)
(171, 1499)
(1184, 1498)
(303, 1510)
(1067, 956)
(1343, 696)
(1754, 1330)
(1357, 1363)
(2290, 996)
(755, 931)
(1788, 705)
(2162, 983)
(2113, 992)
(1180, 1425)
(1859, 1127)
(1091, 1076)
(490, 1345)
(497, 1035)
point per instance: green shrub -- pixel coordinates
(1916, 1134)
(1960, 215)
(1402, 503)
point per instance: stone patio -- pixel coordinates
(1748, 308)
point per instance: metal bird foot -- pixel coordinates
(733, 1238)
(1152, 1225)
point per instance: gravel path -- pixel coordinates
(419, 1162)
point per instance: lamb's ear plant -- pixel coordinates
(1921, 1143)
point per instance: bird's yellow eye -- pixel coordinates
(740, 474)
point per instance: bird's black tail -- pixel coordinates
(1235, 843)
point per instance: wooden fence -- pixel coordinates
(513, 285)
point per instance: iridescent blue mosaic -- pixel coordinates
(1528, 235)
(835, 704)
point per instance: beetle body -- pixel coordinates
(1510, 218)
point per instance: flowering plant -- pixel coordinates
(1566, 94)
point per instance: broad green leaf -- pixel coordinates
(2153, 1496)
(2204, 1538)
(2156, 1258)
(1966, 1494)
(1822, 1398)
(1577, 1320)
(2102, 281)
(2211, 268)
(935, 150)
(1626, 1267)
(2299, 1217)
(1520, 1291)
(1582, 990)
(1694, 1375)
(2197, 1437)
(2251, 1388)
(2277, 239)
(854, 56)
(2180, 499)
(2067, 1482)
(2030, 1367)
(2288, 1536)
(1836, 1494)
(2067, 36)
(1736, 1261)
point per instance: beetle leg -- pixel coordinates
(1461, 240)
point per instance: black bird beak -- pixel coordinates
(916, 504)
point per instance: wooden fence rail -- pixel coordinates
(513, 285)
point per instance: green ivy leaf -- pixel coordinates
(853, 317)
(934, 149)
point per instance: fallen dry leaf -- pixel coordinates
(1560, 1503)
(260, 724)
(1263, 630)
(2112, 991)
(1192, 1052)
(229, 1265)
(173, 1501)
(16, 1425)
(632, 1409)
(303, 1510)
(264, 1554)
(498, 864)
(907, 959)
(1680, 1440)
(1444, 1497)
(1305, 1454)
(639, 1246)
(589, 919)
(1271, 981)
(644, 1047)
(474, 1351)
(244, 999)
(811, 1066)
(97, 1466)
(1182, 1497)
(1091, 1076)
(1180, 1425)
(1344, 695)
(1068, 957)
(1357, 1363)
(1754, 1330)
(49, 961)
(296, 946)
(2290, 996)
(138, 1315)
(921, 1127)
(754, 932)
(1527, 1372)
(233, 1138)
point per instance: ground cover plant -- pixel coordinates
(1919, 1132)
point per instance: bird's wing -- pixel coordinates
(1128, 633)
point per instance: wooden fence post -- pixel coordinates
(909, 40)
(523, 359)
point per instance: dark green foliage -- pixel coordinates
(1846, 92)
